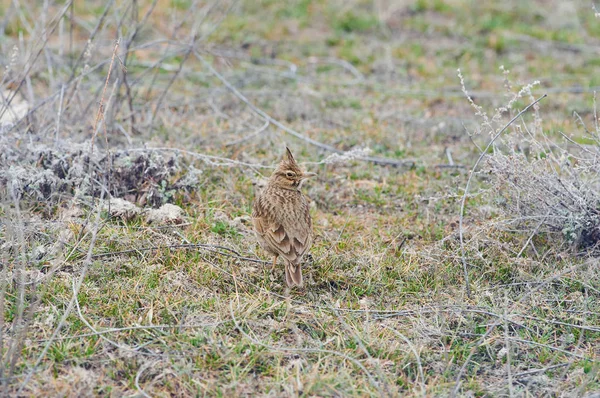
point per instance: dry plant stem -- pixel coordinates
(101, 335)
(268, 118)
(139, 374)
(509, 310)
(532, 235)
(31, 62)
(109, 167)
(141, 327)
(578, 145)
(23, 331)
(90, 39)
(53, 96)
(100, 112)
(359, 342)
(86, 263)
(20, 325)
(128, 43)
(77, 80)
(58, 115)
(191, 12)
(3, 285)
(210, 160)
(186, 55)
(294, 349)
(17, 231)
(159, 64)
(423, 385)
(389, 314)
(534, 371)
(71, 24)
(464, 198)
(164, 56)
(257, 132)
(8, 15)
(591, 328)
(95, 230)
(549, 347)
(19, 272)
(194, 37)
(211, 248)
(509, 379)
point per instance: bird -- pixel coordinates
(281, 218)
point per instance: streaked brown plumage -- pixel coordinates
(281, 218)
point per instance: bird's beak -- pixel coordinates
(308, 175)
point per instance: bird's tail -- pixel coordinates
(293, 274)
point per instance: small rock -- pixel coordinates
(39, 252)
(16, 110)
(502, 352)
(166, 214)
(71, 214)
(121, 208)
(219, 216)
(241, 223)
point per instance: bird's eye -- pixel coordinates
(290, 174)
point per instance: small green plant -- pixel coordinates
(355, 22)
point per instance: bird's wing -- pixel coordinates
(286, 232)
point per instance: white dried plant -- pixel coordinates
(542, 182)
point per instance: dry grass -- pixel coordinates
(194, 106)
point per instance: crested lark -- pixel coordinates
(281, 219)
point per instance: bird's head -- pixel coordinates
(288, 173)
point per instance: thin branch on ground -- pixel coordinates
(307, 350)
(267, 117)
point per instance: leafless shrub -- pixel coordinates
(532, 184)
(542, 184)
(549, 188)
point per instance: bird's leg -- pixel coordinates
(274, 263)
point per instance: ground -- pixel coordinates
(193, 106)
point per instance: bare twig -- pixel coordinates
(308, 350)
(534, 371)
(145, 366)
(507, 347)
(212, 248)
(250, 136)
(31, 62)
(69, 309)
(423, 384)
(490, 328)
(100, 112)
(267, 117)
(59, 114)
(466, 192)
(141, 327)
(532, 235)
(93, 34)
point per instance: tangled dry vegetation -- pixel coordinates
(456, 237)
